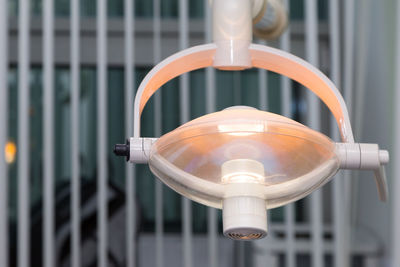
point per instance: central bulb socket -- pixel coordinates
(242, 171)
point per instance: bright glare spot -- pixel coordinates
(242, 129)
(243, 178)
(10, 152)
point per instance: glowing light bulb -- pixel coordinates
(242, 171)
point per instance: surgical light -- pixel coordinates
(243, 160)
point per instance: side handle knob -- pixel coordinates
(123, 150)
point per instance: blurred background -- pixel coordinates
(69, 70)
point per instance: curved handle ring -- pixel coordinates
(262, 57)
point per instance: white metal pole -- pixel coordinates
(3, 133)
(361, 68)
(286, 108)
(130, 170)
(263, 105)
(184, 117)
(212, 220)
(48, 131)
(75, 164)
(348, 82)
(286, 82)
(311, 24)
(340, 241)
(359, 88)
(349, 53)
(23, 134)
(396, 149)
(158, 131)
(102, 131)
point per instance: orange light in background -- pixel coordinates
(10, 152)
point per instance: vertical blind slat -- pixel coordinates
(158, 131)
(348, 72)
(263, 87)
(23, 134)
(184, 101)
(396, 149)
(263, 93)
(75, 92)
(290, 239)
(212, 220)
(348, 53)
(3, 133)
(102, 131)
(48, 132)
(340, 257)
(210, 72)
(286, 82)
(311, 24)
(286, 111)
(363, 31)
(130, 170)
(263, 105)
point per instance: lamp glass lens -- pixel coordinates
(286, 149)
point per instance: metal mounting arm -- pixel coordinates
(263, 57)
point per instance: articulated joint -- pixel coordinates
(139, 149)
(136, 150)
(361, 156)
(271, 19)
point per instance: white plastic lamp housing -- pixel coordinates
(216, 159)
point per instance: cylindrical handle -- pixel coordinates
(244, 218)
(357, 156)
(381, 183)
